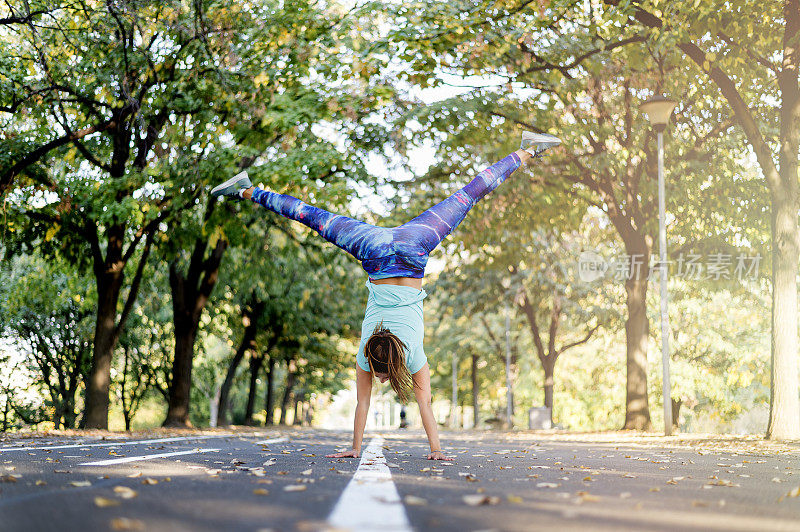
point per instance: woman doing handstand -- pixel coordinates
(395, 259)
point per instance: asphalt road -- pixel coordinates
(280, 480)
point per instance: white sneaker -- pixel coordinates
(233, 186)
(537, 143)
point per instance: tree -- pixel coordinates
(103, 117)
(573, 76)
(169, 100)
(190, 292)
(718, 42)
(48, 312)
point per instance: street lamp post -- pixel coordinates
(658, 110)
(509, 389)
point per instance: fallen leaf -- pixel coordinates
(125, 492)
(411, 500)
(306, 472)
(700, 504)
(260, 491)
(123, 523)
(150, 481)
(8, 478)
(41, 483)
(585, 496)
(547, 485)
(270, 462)
(469, 477)
(722, 482)
(135, 475)
(793, 493)
(516, 499)
(80, 483)
(299, 487)
(655, 489)
(477, 500)
(102, 502)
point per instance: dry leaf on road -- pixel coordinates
(103, 502)
(125, 492)
(123, 523)
(477, 500)
(794, 493)
(411, 500)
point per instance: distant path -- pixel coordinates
(280, 480)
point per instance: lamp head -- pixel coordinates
(658, 110)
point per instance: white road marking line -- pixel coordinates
(370, 501)
(273, 440)
(146, 457)
(114, 444)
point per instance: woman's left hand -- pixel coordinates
(437, 455)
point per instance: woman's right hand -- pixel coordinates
(352, 453)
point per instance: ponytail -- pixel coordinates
(386, 353)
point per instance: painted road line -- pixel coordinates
(370, 501)
(114, 444)
(273, 440)
(146, 457)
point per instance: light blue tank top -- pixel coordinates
(400, 309)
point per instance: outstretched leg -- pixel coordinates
(432, 226)
(360, 239)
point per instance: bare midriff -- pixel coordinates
(413, 282)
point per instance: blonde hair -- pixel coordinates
(386, 353)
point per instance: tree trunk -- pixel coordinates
(548, 366)
(190, 293)
(784, 416)
(298, 409)
(269, 402)
(475, 416)
(637, 409)
(105, 339)
(108, 272)
(676, 411)
(255, 367)
(250, 320)
(181, 384)
(637, 327)
(290, 365)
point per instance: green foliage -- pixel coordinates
(47, 311)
